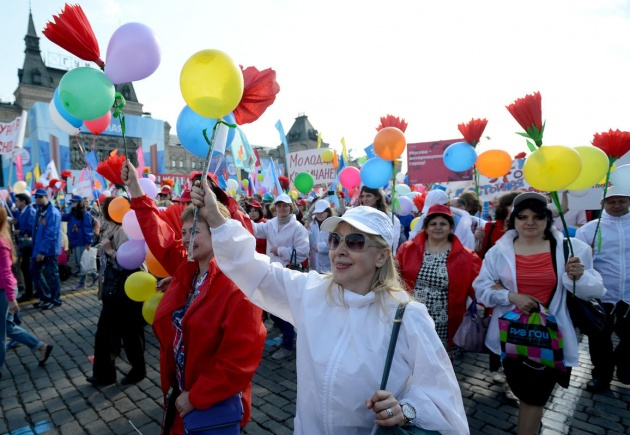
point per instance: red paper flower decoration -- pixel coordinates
(392, 121)
(473, 130)
(146, 170)
(418, 200)
(111, 168)
(66, 173)
(168, 182)
(614, 143)
(72, 31)
(528, 113)
(284, 182)
(520, 155)
(259, 93)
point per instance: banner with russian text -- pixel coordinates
(311, 161)
(425, 164)
(9, 135)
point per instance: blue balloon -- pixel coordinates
(460, 156)
(376, 172)
(572, 231)
(190, 127)
(61, 109)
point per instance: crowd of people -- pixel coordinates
(332, 278)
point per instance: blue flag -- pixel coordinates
(93, 161)
(283, 138)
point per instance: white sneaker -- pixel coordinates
(281, 353)
(498, 377)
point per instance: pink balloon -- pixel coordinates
(131, 254)
(149, 187)
(133, 53)
(131, 227)
(350, 177)
(97, 126)
(404, 207)
(151, 177)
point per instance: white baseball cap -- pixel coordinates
(613, 191)
(321, 206)
(283, 198)
(366, 219)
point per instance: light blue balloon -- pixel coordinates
(460, 156)
(75, 122)
(190, 127)
(376, 172)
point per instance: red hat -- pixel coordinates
(184, 198)
(300, 202)
(214, 185)
(439, 209)
(166, 190)
(255, 204)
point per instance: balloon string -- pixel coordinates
(394, 199)
(203, 180)
(119, 104)
(597, 235)
(91, 176)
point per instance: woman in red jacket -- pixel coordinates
(256, 214)
(438, 271)
(211, 336)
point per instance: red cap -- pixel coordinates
(439, 209)
(184, 198)
(255, 204)
(166, 190)
(214, 185)
(301, 202)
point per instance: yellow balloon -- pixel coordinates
(149, 307)
(211, 83)
(413, 223)
(594, 168)
(19, 187)
(552, 167)
(140, 286)
(260, 177)
(603, 180)
(327, 155)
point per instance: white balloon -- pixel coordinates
(59, 121)
(232, 185)
(400, 177)
(579, 193)
(149, 187)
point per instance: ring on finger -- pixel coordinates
(389, 412)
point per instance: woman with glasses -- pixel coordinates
(524, 269)
(439, 271)
(345, 321)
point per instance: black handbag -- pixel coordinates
(587, 315)
(294, 265)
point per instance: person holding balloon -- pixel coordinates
(121, 318)
(80, 236)
(375, 198)
(211, 336)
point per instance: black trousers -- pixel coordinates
(600, 346)
(120, 319)
(24, 278)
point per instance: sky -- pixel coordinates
(346, 63)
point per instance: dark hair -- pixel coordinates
(260, 212)
(470, 201)
(505, 201)
(23, 197)
(268, 214)
(79, 210)
(537, 207)
(381, 204)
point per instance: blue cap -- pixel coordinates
(41, 192)
(76, 198)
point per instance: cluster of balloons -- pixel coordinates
(462, 156)
(190, 126)
(141, 287)
(389, 144)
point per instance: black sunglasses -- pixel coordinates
(354, 242)
(39, 196)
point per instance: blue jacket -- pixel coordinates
(47, 232)
(80, 232)
(26, 220)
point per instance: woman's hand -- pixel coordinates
(162, 284)
(574, 268)
(130, 178)
(182, 404)
(274, 251)
(204, 198)
(525, 303)
(13, 306)
(386, 408)
(479, 233)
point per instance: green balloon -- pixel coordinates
(86, 93)
(304, 182)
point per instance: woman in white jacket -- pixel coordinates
(345, 321)
(318, 238)
(525, 268)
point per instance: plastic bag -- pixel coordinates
(88, 261)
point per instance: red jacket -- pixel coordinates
(223, 332)
(261, 244)
(463, 266)
(493, 231)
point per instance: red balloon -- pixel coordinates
(389, 143)
(97, 126)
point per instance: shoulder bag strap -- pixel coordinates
(392, 344)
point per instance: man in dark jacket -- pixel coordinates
(25, 220)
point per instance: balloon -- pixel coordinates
(594, 167)
(293, 194)
(362, 161)
(154, 266)
(133, 53)
(327, 155)
(99, 125)
(350, 177)
(232, 184)
(149, 307)
(101, 198)
(376, 172)
(494, 163)
(131, 226)
(190, 126)
(620, 177)
(211, 83)
(402, 189)
(245, 183)
(413, 223)
(579, 193)
(86, 93)
(460, 156)
(149, 187)
(404, 206)
(118, 208)
(304, 182)
(260, 177)
(130, 255)
(389, 143)
(552, 167)
(151, 177)
(140, 286)
(603, 180)
(19, 187)
(97, 184)
(400, 177)
(75, 122)
(572, 231)
(59, 121)
(95, 193)
(410, 195)
(268, 197)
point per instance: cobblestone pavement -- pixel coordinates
(57, 399)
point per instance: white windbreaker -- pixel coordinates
(613, 262)
(341, 348)
(292, 236)
(320, 261)
(500, 264)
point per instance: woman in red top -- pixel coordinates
(255, 212)
(494, 230)
(211, 336)
(438, 270)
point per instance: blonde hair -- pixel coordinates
(189, 213)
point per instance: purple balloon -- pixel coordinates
(133, 53)
(149, 187)
(404, 206)
(131, 226)
(131, 254)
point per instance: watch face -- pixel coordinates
(408, 411)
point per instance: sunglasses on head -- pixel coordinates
(354, 241)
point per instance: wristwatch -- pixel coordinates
(409, 412)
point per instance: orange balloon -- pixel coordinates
(97, 184)
(154, 266)
(494, 163)
(118, 208)
(389, 143)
